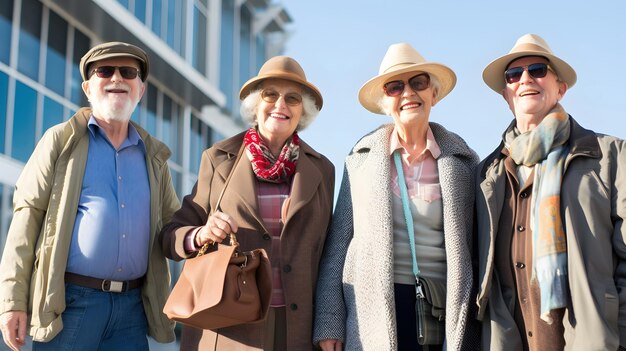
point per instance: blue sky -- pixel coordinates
(340, 45)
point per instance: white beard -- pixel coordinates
(111, 110)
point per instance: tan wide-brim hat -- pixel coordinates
(282, 67)
(527, 45)
(401, 58)
(114, 49)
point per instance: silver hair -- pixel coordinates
(250, 103)
(434, 83)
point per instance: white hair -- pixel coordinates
(250, 103)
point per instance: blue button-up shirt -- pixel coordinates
(112, 229)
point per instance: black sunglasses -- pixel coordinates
(271, 96)
(108, 71)
(535, 70)
(417, 83)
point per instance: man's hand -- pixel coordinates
(13, 326)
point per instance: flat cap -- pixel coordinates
(114, 49)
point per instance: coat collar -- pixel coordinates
(582, 142)
(155, 150)
(449, 143)
(306, 179)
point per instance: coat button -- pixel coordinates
(521, 228)
(286, 268)
(520, 265)
(523, 195)
(293, 306)
(267, 236)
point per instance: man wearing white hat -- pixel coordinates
(551, 203)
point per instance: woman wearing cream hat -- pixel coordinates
(392, 224)
(279, 198)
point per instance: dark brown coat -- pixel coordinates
(302, 238)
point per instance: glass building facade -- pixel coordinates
(201, 51)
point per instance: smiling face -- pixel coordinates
(410, 106)
(531, 99)
(114, 98)
(278, 120)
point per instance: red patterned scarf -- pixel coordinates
(266, 167)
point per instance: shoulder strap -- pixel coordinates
(230, 175)
(408, 217)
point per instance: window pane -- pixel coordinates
(151, 115)
(200, 41)
(140, 10)
(176, 177)
(4, 91)
(81, 46)
(123, 2)
(244, 47)
(157, 16)
(55, 57)
(227, 52)
(169, 133)
(199, 141)
(52, 113)
(136, 116)
(24, 122)
(30, 30)
(6, 15)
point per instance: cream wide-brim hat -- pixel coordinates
(401, 58)
(527, 45)
(282, 67)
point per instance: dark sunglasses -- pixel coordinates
(108, 71)
(536, 70)
(271, 96)
(417, 83)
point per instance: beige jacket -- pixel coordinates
(45, 204)
(593, 208)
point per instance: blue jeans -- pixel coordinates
(100, 321)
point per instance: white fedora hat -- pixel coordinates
(401, 58)
(527, 45)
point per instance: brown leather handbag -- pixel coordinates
(222, 286)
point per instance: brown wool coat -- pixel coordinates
(302, 238)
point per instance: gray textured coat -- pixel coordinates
(355, 293)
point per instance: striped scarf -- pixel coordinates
(544, 148)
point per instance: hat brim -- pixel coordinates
(372, 91)
(251, 85)
(493, 74)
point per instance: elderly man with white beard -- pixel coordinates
(82, 268)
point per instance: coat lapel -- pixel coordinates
(242, 188)
(306, 181)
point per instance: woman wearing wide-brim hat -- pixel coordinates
(366, 292)
(279, 198)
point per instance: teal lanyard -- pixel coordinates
(408, 217)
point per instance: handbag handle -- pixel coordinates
(233, 238)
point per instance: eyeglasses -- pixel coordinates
(108, 71)
(271, 96)
(535, 70)
(417, 83)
